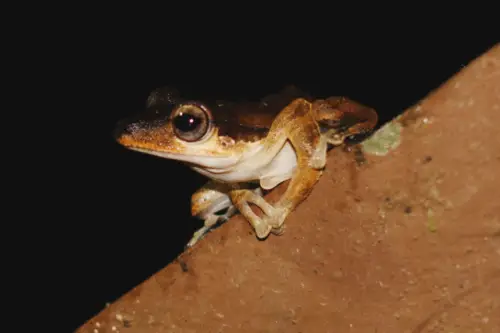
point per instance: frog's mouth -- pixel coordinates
(207, 161)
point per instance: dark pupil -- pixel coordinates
(186, 122)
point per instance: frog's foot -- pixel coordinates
(210, 221)
(278, 231)
(273, 218)
(197, 236)
(333, 137)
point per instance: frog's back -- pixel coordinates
(251, 121)
(241, 121)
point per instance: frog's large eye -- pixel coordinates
(191, 121)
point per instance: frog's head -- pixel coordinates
(180, 130)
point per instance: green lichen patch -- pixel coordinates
(386, 139)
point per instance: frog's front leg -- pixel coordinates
(296, 123)
(212, 204)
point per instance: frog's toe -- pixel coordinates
(278, 231)
(262, 230)
(197, 236)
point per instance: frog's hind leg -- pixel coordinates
(295, 123)
(212, 204)
(341, 117)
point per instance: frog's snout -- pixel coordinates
(121, 129)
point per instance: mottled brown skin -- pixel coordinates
(248, 121)
(310, 126)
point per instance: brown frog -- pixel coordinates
(244, 148)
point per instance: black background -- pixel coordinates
(126, 215)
